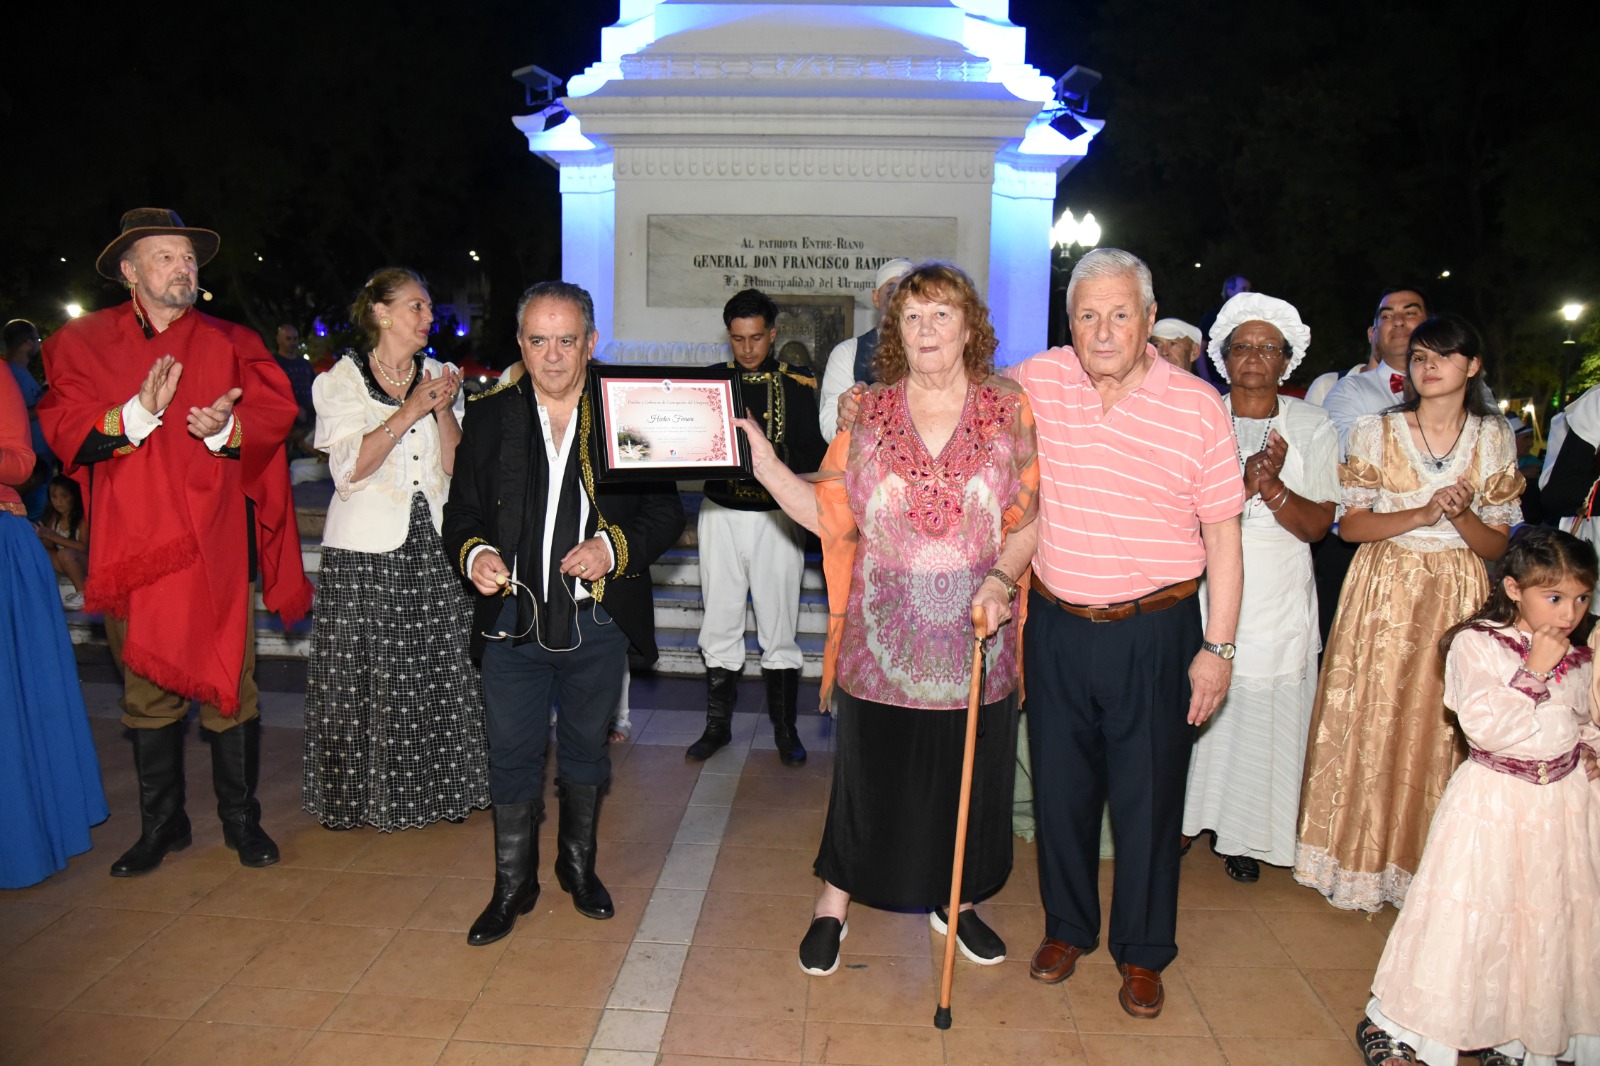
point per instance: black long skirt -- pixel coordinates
(890, 836)
(395, 734)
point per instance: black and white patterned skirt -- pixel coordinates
(394, 707)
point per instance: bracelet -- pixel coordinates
(1001, 576)
(1284, 495)
(384, 425)
(1546, 675)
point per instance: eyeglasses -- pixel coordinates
(1265, 351)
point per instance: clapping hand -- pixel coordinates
(160, 384)
(1455, 499)
(434, 393)
(208, 421)
(1434, 509)
(1265, 465)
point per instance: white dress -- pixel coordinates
(1499, 941)
(1244, 775)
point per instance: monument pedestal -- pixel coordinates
(794, 147)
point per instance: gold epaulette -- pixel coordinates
(506, 382)
(808, 380)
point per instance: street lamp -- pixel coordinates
(1068, 233)
(73, 310)
(1571, 312)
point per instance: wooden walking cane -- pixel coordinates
(941, 1016)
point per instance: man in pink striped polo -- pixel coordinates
(1140, 494)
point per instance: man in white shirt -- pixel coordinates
(561, 565)
(851, 360)
(1363, 391)
(1376, 390)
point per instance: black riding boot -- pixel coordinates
(783, 696)
(163, 825)
(235, 768)
(575, 846)
(722, 688)
(516, 871)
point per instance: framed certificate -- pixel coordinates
(667, 423)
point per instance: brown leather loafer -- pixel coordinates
(1141, 994)
(1054, 961)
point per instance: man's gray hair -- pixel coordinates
(576, 295)
(1113, 262)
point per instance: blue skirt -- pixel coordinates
(50, 790)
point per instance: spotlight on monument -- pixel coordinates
(1072, 100)
(1073, 87)
(539, 85)
(73, 310)
(1067, 124)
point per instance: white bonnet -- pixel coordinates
(1258, 307)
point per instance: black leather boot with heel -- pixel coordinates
(783, 699)
(575, 848)
(516, 871)
(163, 824)
(722, 688)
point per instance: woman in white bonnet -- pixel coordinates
(1244, 777)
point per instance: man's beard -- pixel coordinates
(176, 296)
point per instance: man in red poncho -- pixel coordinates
(174, 422)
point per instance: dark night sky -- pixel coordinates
(1323, 149)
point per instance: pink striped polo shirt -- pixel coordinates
(1122, 493)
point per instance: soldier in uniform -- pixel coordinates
(749, 546)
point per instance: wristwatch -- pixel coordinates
(1001, 576)
(1224, 651)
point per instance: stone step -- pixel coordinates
(679, 646)
(678, 603)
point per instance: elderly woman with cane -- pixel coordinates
(926, 509)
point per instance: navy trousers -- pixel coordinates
(520, 685)
(1107, 710)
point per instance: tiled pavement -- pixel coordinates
(352, 949)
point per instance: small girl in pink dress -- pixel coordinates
(1497, 952)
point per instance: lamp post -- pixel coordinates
(1067, 233)
(1571, 312)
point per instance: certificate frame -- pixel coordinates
(692, 410)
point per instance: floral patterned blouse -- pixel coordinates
(907, 537)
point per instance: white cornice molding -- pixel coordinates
(654, 66)
(820, 163)
(969, 114)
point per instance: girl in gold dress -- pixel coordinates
(1430, 491)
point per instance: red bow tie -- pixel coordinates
(1397, 383)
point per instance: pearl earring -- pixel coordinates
(385, 322)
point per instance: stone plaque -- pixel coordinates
(701, 260)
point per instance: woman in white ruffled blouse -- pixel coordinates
(394, 712)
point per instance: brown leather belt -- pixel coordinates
(1159, 600)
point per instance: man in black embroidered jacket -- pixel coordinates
(561, 567)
